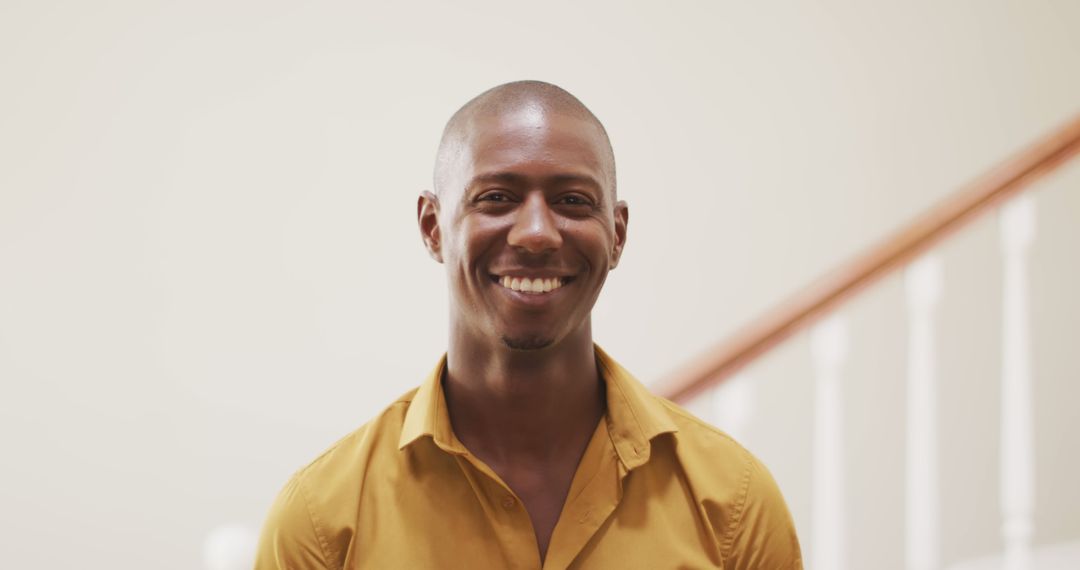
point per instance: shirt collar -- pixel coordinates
(634, 415)
(428, 416)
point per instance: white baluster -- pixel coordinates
(923, 280)
(733, 404)
(828, 344)
(1017, 437)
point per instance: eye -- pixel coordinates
(494, 196)
(575, 200)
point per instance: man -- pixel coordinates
(528, 446)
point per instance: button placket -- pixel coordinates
(513, 529)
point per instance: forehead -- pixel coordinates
(533, 141)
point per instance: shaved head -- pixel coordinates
(534, 98)
(524, 190)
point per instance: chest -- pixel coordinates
(647, 520)
(542, 490)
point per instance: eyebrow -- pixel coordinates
(515, 179)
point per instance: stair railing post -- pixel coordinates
(923, 281)
(1017, 430)
(829, 344)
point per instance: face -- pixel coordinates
(527, 227)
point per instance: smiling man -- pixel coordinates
(527, 446)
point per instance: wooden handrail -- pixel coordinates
(836, 286)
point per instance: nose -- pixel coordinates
(535, 228)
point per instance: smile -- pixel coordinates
(532, 286)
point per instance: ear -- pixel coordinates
(427, 217)
(622, 218)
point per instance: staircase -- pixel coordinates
(930, 430)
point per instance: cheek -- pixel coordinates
(475, 241)
(593, 238)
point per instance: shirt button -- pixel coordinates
(508, 502)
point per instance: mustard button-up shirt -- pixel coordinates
(656, 488)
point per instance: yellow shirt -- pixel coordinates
(656, 488)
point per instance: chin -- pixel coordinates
(527, 342)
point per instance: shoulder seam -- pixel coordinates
(324, 545)
(740, 507)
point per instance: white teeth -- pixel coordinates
(536, 286)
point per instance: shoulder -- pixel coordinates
(351, 454)
(305, 524)
(718, 466)
(702, 446)
(738, 494)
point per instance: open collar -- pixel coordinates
(634, 415)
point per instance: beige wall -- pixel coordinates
(209, 268)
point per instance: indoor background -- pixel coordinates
(210, 268)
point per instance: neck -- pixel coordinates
(514, 405)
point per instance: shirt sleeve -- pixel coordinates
(763, 533)
(290, 539)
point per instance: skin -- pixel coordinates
(529, 192)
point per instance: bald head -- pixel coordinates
(530, 101)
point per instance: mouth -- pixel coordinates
(534, 285)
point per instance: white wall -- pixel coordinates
(209, 267)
